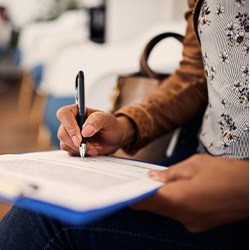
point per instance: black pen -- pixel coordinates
(80, 101)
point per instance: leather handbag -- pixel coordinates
(134, 88)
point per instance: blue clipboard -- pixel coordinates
(72, 216)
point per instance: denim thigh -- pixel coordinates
(126, 229)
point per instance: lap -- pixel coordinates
(125, 229)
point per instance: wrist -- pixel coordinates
(128, 129)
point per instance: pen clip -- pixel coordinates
(79, 93)
(76, 89)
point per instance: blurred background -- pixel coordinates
(43, 45)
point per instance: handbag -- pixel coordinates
(134, 88)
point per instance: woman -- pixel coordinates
(206, 193)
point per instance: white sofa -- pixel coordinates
(103, 63)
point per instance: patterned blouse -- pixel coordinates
(225, 24)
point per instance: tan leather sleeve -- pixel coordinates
(178, 98)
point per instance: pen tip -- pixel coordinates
(82, 150)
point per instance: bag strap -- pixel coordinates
(145, 69)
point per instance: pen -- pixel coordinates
(80, 101)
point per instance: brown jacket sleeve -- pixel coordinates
(178, 98)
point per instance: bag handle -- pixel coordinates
(145, 69)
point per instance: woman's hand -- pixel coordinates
(201, 192)
(105, 133)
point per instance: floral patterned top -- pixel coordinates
(225, 24)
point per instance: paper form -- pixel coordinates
(78, 184)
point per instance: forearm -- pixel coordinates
(178, 98)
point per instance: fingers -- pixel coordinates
(64, 137)
(183, 170)
(69, 150)
(168, 175)
(103, 123)
(92, 149)
(70, 130)
(95, 122)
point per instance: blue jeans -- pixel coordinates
(127, 229)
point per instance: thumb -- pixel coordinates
(174, 173)
(160, 175)
(95, 122)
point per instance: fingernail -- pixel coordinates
(76, 140)
(153, 174)
(88, 130)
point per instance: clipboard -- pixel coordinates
(70, 216)
(14, 190)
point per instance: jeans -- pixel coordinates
(126, 229)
